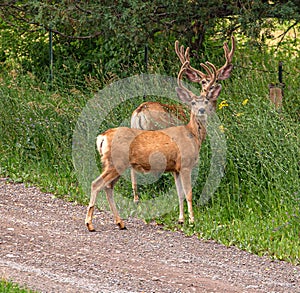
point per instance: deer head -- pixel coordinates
(209, 93)
(155, 115)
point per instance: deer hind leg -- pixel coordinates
(180, 196)
(134, 186)
(187, 188)
(98, 184)
(109, 190)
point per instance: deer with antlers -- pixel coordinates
(156, 115)
(143, 150)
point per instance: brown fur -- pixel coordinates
(174, 149)
(156, 115)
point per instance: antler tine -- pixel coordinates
(228, 54)
(179, 77)
(185, 56)
(179, 52)
(232, 47)
(212, 73)
(182, 52)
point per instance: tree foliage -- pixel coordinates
(108, 37)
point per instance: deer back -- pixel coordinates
(157, 151)
(156, 115)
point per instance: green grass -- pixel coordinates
(10, 287)
(36, 132)
(256, 206)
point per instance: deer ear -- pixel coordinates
(183, 95)
(213, 95)
(192, 76)
(225, 73)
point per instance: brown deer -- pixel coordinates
(122, 148)
(156, 115)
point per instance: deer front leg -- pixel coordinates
(187, 188)
(180, 196)
(134, 186)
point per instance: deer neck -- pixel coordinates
(197, 128)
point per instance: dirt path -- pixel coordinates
(44, 245)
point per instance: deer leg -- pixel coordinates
(109, 190)
(180, 196)
(98, 184)
(134, 186)
(187, 188)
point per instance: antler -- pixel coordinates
(212, 74)
(183, 69)
(191, 73)
(195, 75)
(228, 56)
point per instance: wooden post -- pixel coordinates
(276, 95)
(276, 90)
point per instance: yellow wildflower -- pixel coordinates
(223, 104)
(239, 114)
(222, 128)
(245, 102)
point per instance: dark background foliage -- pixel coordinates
(107, 39)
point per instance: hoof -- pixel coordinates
(180, 222)
(122, 226)
(90, 227)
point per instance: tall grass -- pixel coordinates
(36, 132)
(256, 206)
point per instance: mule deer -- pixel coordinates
(155, 115)
(121, 148)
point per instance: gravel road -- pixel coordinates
(45, 246)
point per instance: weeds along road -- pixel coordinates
(44, 245)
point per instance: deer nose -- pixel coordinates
(201, 111)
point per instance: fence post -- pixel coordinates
(276, 90)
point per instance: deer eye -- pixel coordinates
(206, 102)
(193, 103)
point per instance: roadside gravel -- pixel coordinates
(45, 246)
